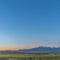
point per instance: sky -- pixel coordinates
(29, 23)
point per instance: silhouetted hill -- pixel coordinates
(41, 50)
(37, 50)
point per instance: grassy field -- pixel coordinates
(29, 57)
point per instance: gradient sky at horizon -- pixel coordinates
(29, 23)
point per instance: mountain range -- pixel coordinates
(37, 50)
(41, 50)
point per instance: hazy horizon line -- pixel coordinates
(17, 48)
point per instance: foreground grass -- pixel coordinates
(29, 57)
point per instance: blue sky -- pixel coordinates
(29, 22)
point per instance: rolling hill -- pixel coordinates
(41, 50)
(37, 50)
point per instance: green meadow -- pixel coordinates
(29, 56)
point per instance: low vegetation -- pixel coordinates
(29, 56)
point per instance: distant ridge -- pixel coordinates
(37, 50)
(41, 50)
